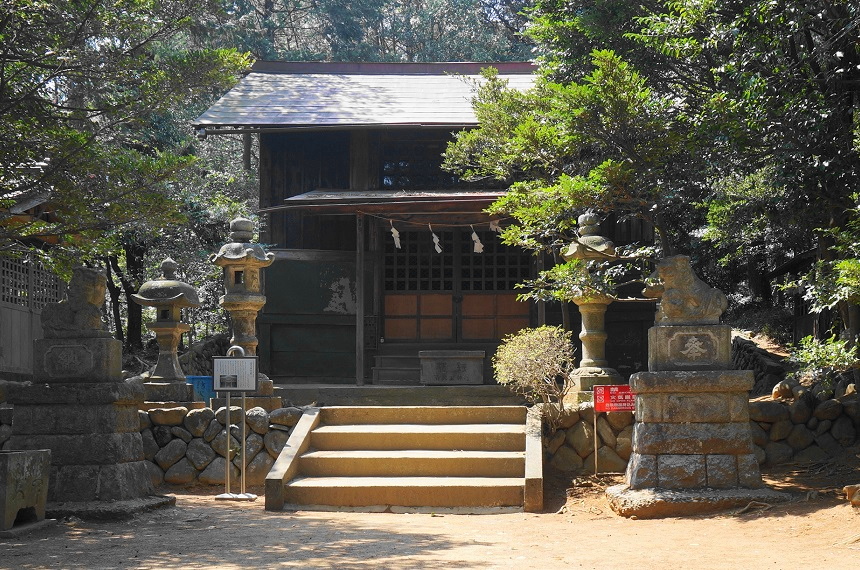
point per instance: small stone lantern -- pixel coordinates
(593, 368)
(169, 297)
(242, 262)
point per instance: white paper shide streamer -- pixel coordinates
(435, 240)
(396, 235)
(479, 247)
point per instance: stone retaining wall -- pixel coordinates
(183, 447)
(803, 430)
(768, 368)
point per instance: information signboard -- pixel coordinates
(233, 374)
(614, 398)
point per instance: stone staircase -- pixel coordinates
(419, 456)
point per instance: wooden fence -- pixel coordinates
(25, 288)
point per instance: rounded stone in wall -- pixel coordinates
(258, 468)
(843, 431)
(812, 454)
(214, 473)
(156, 475)
(168, 416)
(619, 420)
(237, 415)
(145, 422)
(221, 441)
(768, 411)
(568, 419)
(212, 430)
(555, 441)
(253, 444)
(777, 452)
(181, 473)
(780, 430)
(258, 420)
(168, 455)
(624, 443)
(566, 459)
(800, 411)
(286, 416)
(275, 441)
(800, 437)
(196, 421)
(828, 410)
(150, 446)
(759, 436)
(162, 435)
(181, 433)
(199, 453)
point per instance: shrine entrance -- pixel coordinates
(456, 296)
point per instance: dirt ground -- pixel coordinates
(819, 529)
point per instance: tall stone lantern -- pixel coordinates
(593, 367)
(244, 298)
(169, 296)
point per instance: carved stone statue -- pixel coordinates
(80, 314)
(684, 298)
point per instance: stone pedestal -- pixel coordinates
(93, 432)
(692, 448)
(88, 359)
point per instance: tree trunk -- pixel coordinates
(131, 281)
(114, 291)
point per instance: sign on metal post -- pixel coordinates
(235, 374)
(614, 398)
(611, 398)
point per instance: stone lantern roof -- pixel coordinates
(240, 247)
(167, 290)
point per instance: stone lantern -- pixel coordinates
(168, 296)
(593, 368)
(244, 298)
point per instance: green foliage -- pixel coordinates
(823, 359)
(80, 80)
(537, 364)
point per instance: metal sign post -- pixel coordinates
(235, 374)
(611, 398)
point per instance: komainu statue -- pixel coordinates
(684, 298)
(80, 314)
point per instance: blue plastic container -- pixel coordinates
(202, 387)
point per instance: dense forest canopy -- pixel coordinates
(730, 126)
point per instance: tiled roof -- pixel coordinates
(313, 95)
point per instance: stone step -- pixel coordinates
(486, 437)
(450, 415)
(396, 376)
(406, 491)
(413, 463)
(397, 361)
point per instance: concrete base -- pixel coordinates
(660, 503)
(168, 392)
(114, 510)
(586, 378)
(268, 403)
(27, 528)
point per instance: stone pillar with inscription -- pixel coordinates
(79, 408)
(692, 448)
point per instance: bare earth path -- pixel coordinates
(820, 531)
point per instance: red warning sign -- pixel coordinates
(614, 398)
